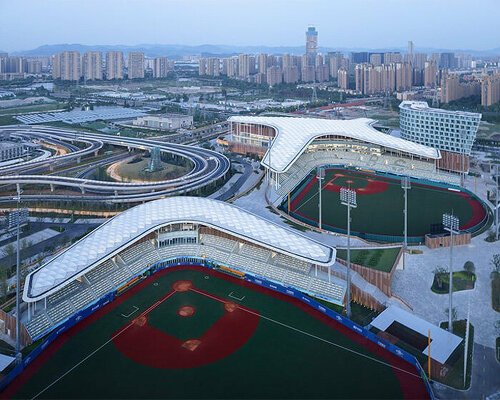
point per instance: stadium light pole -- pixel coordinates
(320, 175)
(496, 178)
(348, 199)
(405, 184)
(18, 282)
(451, 224)
(462, 135)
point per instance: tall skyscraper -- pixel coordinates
(160, 67)
(67, 66)
(274, 75)
(262, 62)
(114, 65)
(343, 78)
(92, 65)
(311, 45)
(410, 50)
(430, 74)
(135, 65)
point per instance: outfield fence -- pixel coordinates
(179, 261)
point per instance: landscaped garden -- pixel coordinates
(462, 280)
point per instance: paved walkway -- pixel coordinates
(414, 283)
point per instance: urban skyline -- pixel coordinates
(278, 26)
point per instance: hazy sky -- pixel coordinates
(459, 24)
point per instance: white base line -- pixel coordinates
(156, 304)
(318, 338)
(128, 315)
(236, 298)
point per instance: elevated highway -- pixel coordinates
(208, 166)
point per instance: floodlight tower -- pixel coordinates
(405, 184)
(348, 199)
(18, 279)
(462, 136)
(451, 224)
(320, 175)
(496, 178)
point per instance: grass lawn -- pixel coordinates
(495, 292)
(455, 378)
(8, 120)
(135, 170)
(462, 280)
(31, 108)
(379, 259)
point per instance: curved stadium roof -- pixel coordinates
(131, 225)
(295, 134)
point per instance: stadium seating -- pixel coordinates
(121, 276)
(82, 298)
(64, 292)
(60, 312)
(293, 263)
(296, 279)
(136, 251)
(38, 324)
(310, 160)
(255, 252)
(101, 271)
(102, 287)
(327, 289)
(218, 241)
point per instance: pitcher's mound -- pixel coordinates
(186, 311)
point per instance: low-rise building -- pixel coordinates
(165, 122)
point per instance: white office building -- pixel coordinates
(452, 132)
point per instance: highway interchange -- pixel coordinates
(208, 166)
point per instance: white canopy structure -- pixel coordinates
(130, 226)
(293, 135)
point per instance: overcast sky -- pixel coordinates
(457, 24)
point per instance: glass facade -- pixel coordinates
(453, 131)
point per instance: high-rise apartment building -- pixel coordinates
(291, 74)
(447, 60)
(202, 66)
(243, 65)
(135, 65)
(404, 76)
(376, 59)
(274, 75)
(392, 58)
(430, 74)
(311, 45)
(67, 66)
(114, 65)
(335, 63)
(160, 67)
(343, 78)
(490, 90)
(419, 60)
(453, 89)
(92, 65)
(262, 62)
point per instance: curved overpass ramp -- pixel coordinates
(208, 166)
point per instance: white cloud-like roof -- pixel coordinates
(294, 134)
(129, 226)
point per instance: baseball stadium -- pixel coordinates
(297, 152)
(187, 297)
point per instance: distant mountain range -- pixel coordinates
(178, 51)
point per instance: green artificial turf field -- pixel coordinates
(290, 351)
(380, 205)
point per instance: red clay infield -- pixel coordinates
(149, 346)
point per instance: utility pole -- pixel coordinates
(405, 184)
(320, 176)
(451, 224)
(348, 199)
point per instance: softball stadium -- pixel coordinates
(353, 154)
(188, 297)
